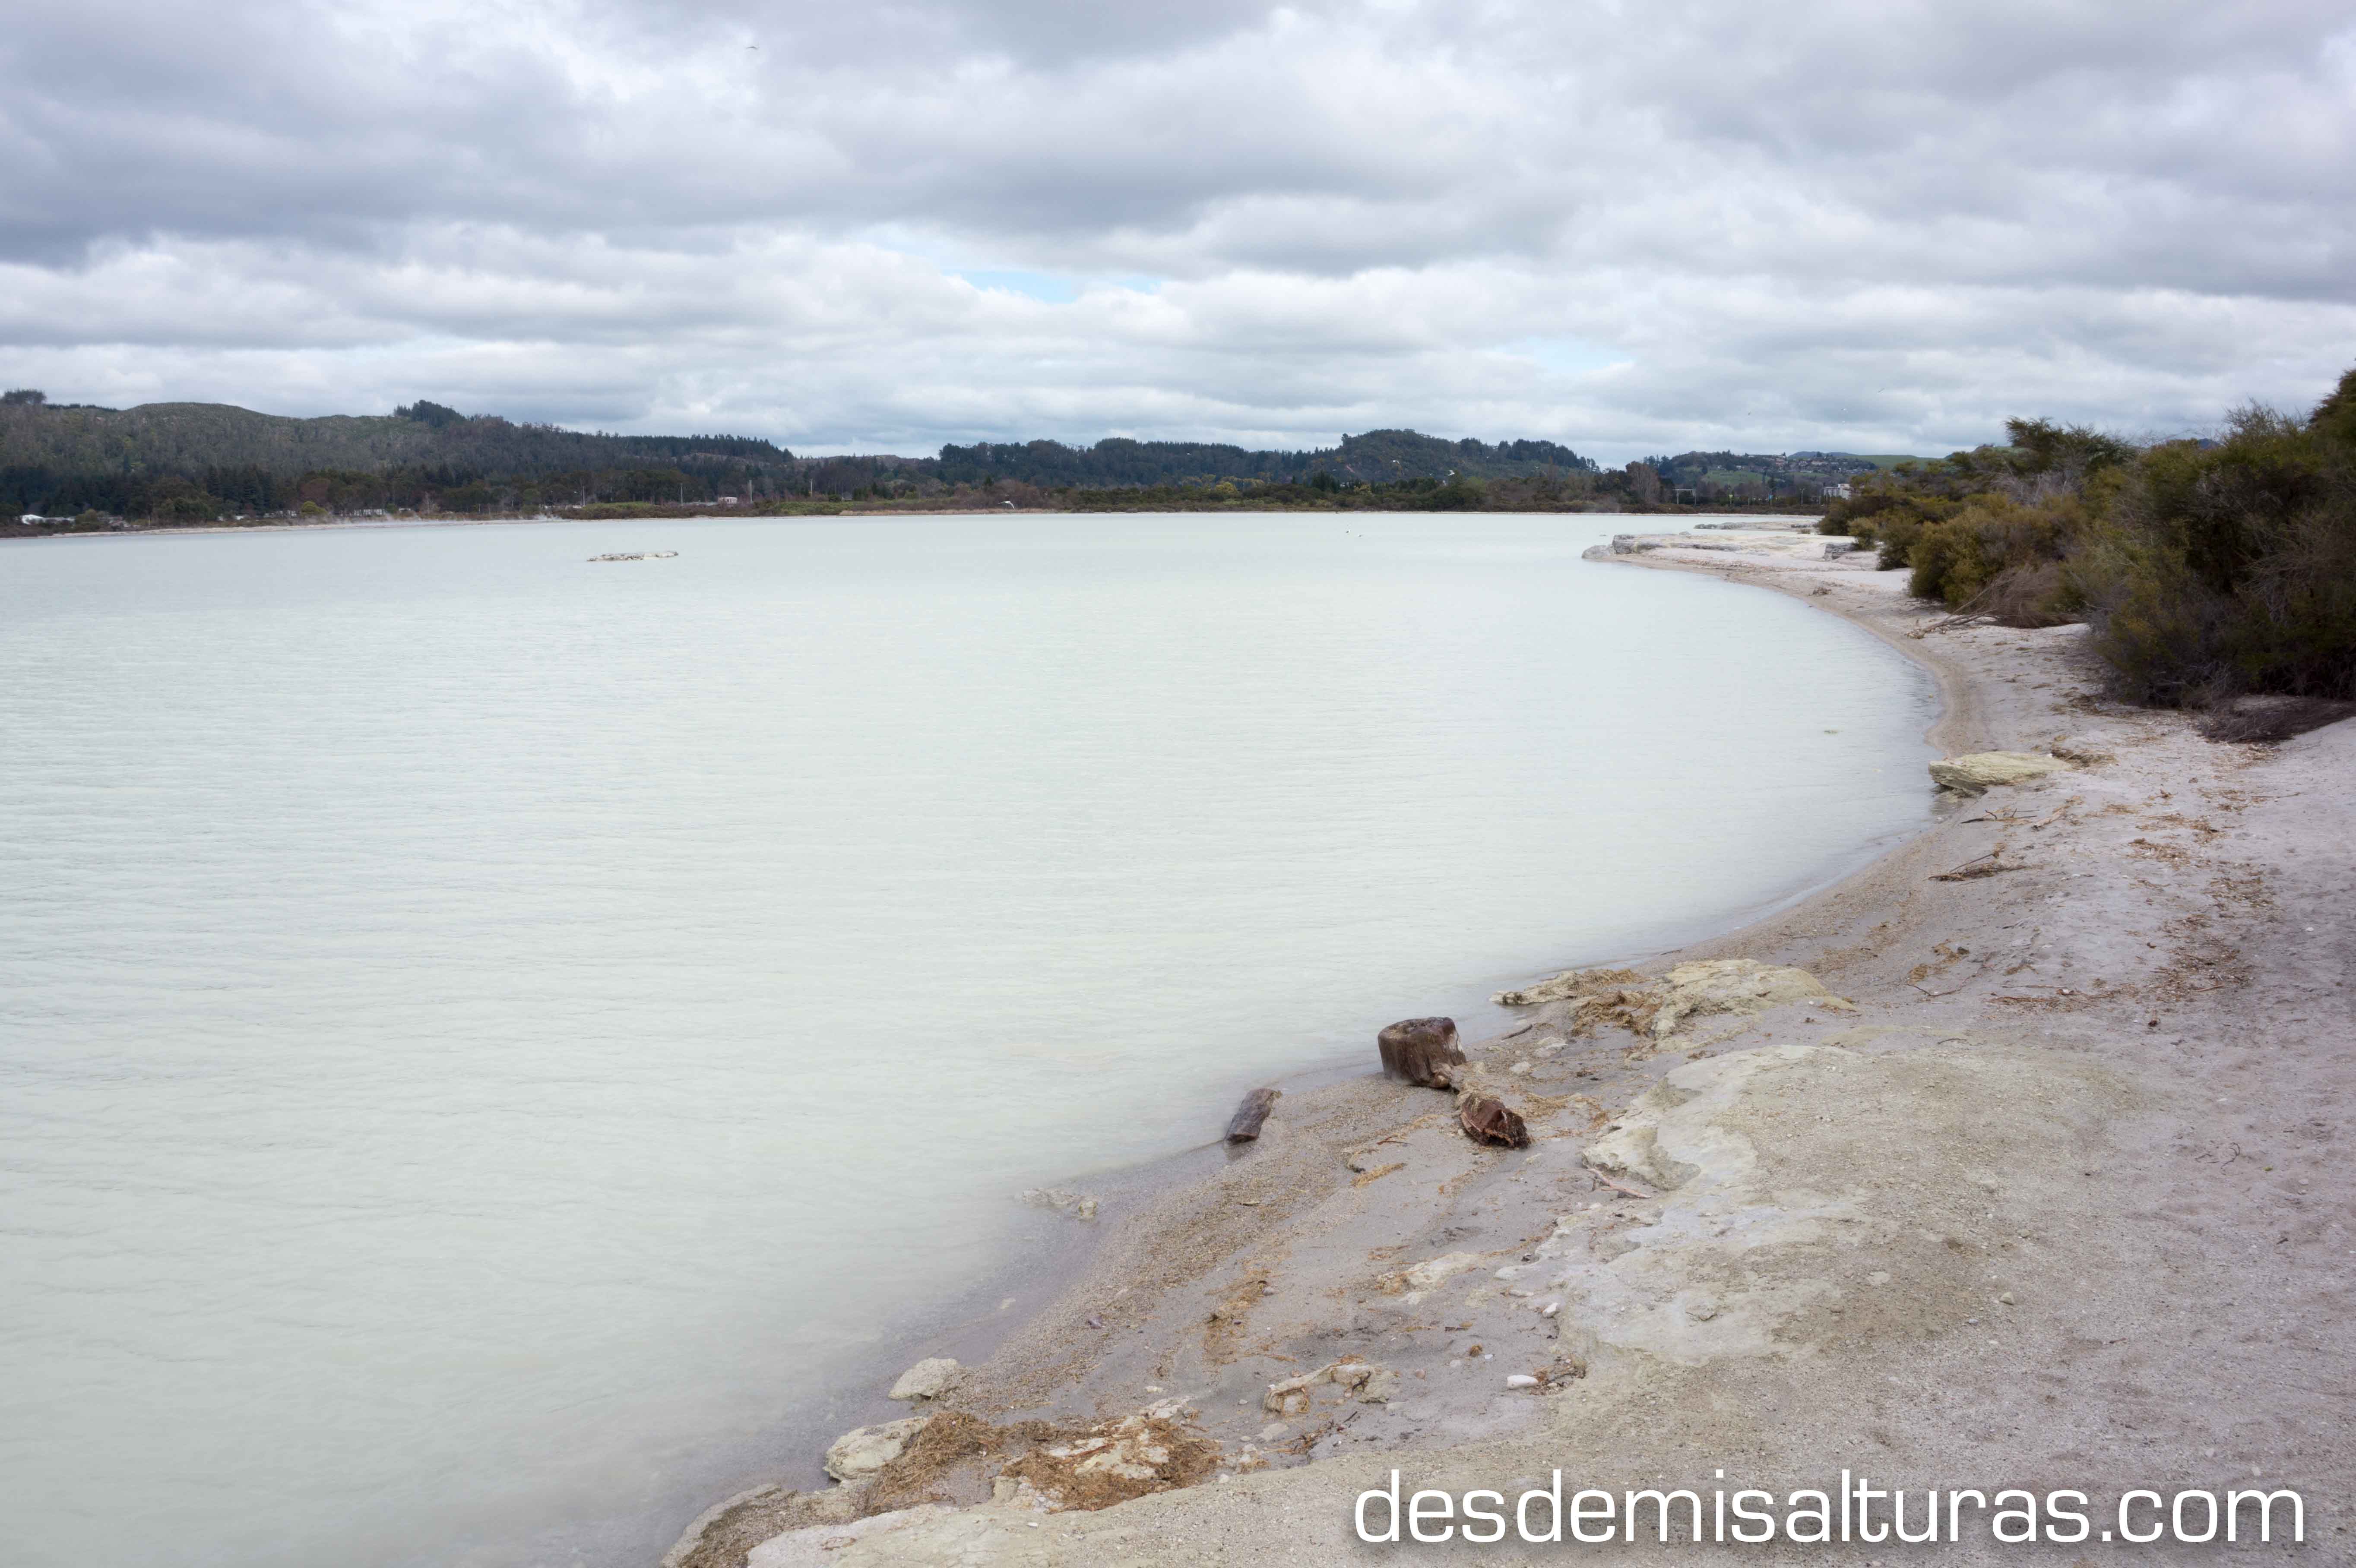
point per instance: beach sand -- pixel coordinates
(2046, 1186)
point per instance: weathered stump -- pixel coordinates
(1244, 1126)
(1421, 1051)
(1488, 1121)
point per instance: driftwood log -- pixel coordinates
(1244, 1126)
(1488, 1121)
(1421, 1051)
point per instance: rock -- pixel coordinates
(1079, 1205)
(1624, 999)
(1421, 1052)
(1369, 1384)
(1980, 771)
(1290, 1397)
(1581, 985)
(1521, 1380)
(863, 1450)
(1736, 986)
(1417, 1281)
(929, 1379)
(1244, 1125)
(759, 1510)
(1488, 1121)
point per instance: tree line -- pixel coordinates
(2208, 570)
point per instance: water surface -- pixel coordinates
(487, 1038)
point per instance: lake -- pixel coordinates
(497, 1051)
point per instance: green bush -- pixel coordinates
(2232, 569)
(2209, 570)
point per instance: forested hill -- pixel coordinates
(1373, 457)
(188, 438)
(193, 462)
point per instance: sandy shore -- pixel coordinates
(2031, 1175)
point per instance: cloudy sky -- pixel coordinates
(879, 225)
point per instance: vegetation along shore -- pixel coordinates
(2015, 1159)
(69, 468)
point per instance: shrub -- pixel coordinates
(2208, 570)
(1959, 558)
(2232, 569)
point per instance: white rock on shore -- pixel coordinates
(1979, 770)
(863, 1450)
(1742, 985)
(929, 1379)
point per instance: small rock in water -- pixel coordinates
(929, 1379)
(1079, 1205)
(1421, 1051)
(1244, 1125)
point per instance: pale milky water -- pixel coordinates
(491, 1044)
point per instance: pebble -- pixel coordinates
(1521, 1380)
(2006, 1299)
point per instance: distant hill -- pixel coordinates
(188, 438)
(1766, 475)
(192, 460)
(1375, 457)
(199, 460)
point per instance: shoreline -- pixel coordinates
(2022, 1159)
(11, 533)
(1124, 1190)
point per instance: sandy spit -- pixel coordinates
(2041, 1181)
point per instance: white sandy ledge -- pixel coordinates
(2063, 1200)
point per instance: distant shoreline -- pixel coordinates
(14, 530)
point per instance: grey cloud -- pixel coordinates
(1814, 225)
